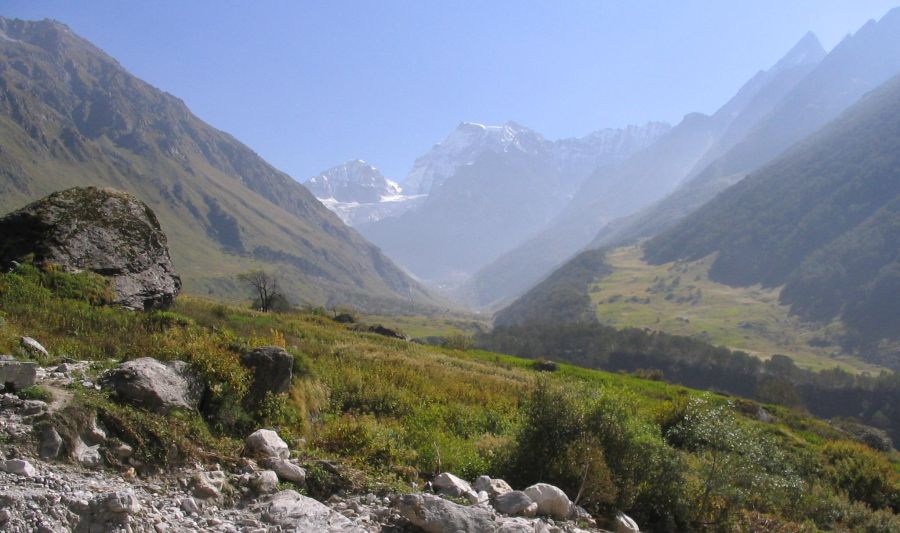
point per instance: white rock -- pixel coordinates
(122, 502)
(33, 347)
(625, 524)
(295, 512)
(266, 443)
(19, 467)
(447, 483)
(551, 500)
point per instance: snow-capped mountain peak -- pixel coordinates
(353, 181)
(357, 192)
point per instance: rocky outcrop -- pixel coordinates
(272, 370)
(154, 385)
(17, 375)
(105, 231)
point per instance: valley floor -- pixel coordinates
(679, 298)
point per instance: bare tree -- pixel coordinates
(264, 284)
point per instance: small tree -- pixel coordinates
(264, 284)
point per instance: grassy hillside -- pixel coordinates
(72, 116)
(391, 412)
(680, 298)
(821, 219)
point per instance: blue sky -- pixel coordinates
(311, 84)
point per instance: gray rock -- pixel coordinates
(208, 485)
(121, 502)
(447, 483)
(105, 231)
(295, 512)
(625, 524)
(515, 503)
(190, 505)
(265, 443)
(51, 443)
(19, 467)
(437, 515)
(33, 347)
(17, 374)
(264, 482)
(494, 487)
(272, 370)
(286, 470)
(551, 500)
(154, 385)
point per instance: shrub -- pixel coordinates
(863, 474)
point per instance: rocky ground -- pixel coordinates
(50, 486)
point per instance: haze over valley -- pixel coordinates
(573, 267)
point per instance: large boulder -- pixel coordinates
(515, 503)
(551, 501)
(447, 483)
(437, 515)
(295, 512)
(17, 375)
(272, 369)
(105, 231)
(154, 385)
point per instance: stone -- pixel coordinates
(295, 512)
(436, 515)
(190, 505)
(51, 443)
(122, 450)
(272, 371)
(494, 487)
(625, 524)
(551, 501)
(265, 443)
(264, 482)
(476, 496)
(154, 385)
(121, 502)
(515, 503)
(19, 467)
(33, 347)
(103, 230)
(88, 456)
(208, 485)
(17, 375)
(286, 470)
(447, 483)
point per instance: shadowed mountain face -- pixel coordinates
(857, 65)
(619, 190)
(72, 116)
(823, 219)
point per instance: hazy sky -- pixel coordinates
(311, 84)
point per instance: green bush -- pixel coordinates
(863, 474)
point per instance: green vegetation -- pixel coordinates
(392, 411)
(823, 220)
(679, 298)
(222, 207)
(561, 298)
